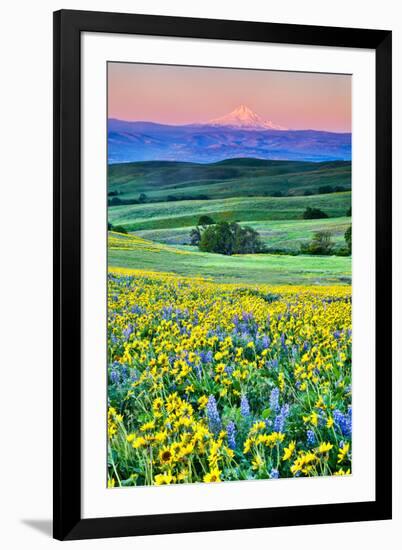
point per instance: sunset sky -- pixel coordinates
(182, 95)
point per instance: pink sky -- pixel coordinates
(182, 95)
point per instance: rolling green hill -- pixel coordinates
(164, 215)
(164, 181)
(161, 201)
(134, 252)
(281, 235)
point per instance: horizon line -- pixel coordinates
(245, 129)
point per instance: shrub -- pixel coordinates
(348, 238)
(325, 189)
(195, 236)
(119, 229)
(205, 220)
(314, 214)
(341, 251)
(115, 201)
(321, 244)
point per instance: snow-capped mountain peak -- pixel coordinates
(244, 117)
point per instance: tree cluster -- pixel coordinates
(225, 238)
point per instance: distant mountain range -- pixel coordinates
(241, 133)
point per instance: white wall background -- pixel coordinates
(26, 270)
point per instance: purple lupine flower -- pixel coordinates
(280, 419)
(244, 406)
(343, 421)
(265, 342)
(229, 370)
(247, 316)
(198, 371)
(310, 438)
(273, 364)
(114, 377)
(231, 435)
(274, 474)
(213, 417)
(124, 373)
(127, 332)
(274, 399)
(206, 357)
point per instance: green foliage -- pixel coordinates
(348, 239)
(142, 198)
(205, 220)
(114, 201)
(349, 211)
(321, 244)
(325, 189)
(230, 238)
(195, 236)
(314, 214)
(119, 229)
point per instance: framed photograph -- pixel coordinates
(207, 177)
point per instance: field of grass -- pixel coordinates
(229, 178)
(232, 190)
(130, 251)
(282, 234)
(164, 215)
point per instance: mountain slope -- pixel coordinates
(244, 117)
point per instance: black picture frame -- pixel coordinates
(68, 27)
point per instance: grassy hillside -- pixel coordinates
(283, 234)
(243, 209)
(134, 252)
(162, 181)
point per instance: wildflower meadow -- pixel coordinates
(214, 382)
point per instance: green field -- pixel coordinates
(164, 215)
(162, 181)
(136, 253)
(235, 191)
(282, 234)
